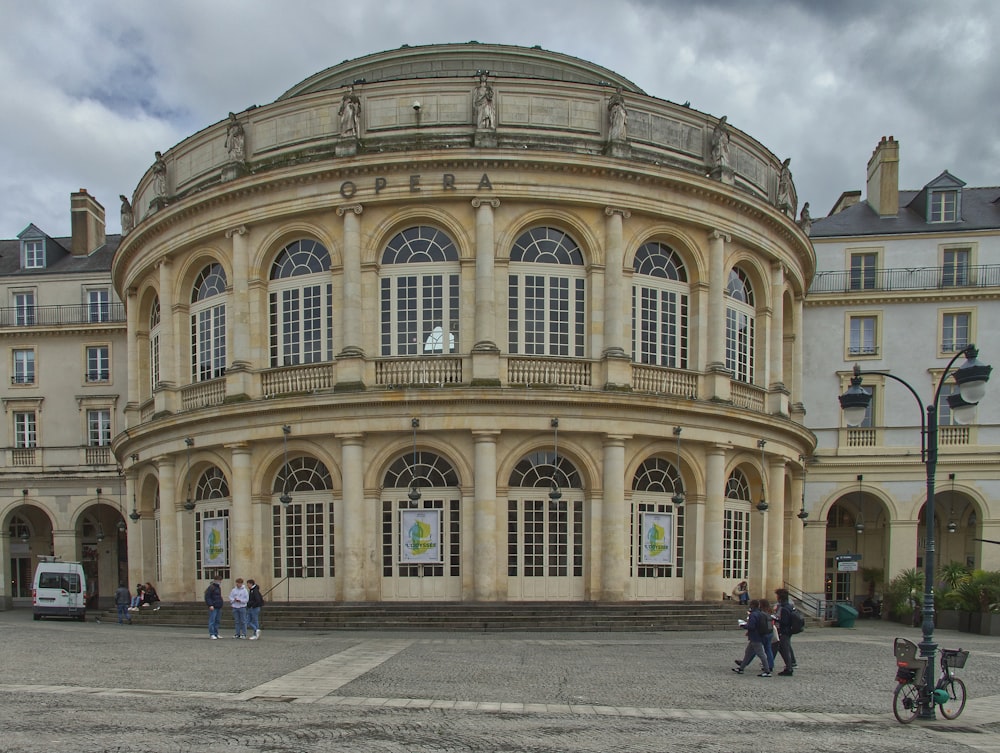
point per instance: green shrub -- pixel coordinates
(907, 585)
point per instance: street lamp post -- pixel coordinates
(971, 378)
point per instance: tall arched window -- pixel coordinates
(208, 324)
(300, 307)
(211, 524)
(657, 522)
(740, 325)
(419, 294)
(659, 307)
(154, 344)
(303, 530)
(736, 527)
(546, 295)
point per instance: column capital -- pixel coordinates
(238, 230)
(492, 201)
(718, 235)
(485, 435)
(356, 208)
(353, 438)
(611, 211)
(613, 440)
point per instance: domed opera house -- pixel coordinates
(472, 323)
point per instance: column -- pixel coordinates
(64, 545)
(169, 551)
(794, 380)
(352, 543)
(715, 494)
(484, 548)
(241, 540)
(170, 354)
(614, 283)
(614, 561)
(777, 391)
(351, 314)
(795, 531)
(775, 573)
(239, 315)
(902, 547)
(134, 538)
(717, 281)
(486, 315)
(132, 338)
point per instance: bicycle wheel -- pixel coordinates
(906, 702)
(951, 708)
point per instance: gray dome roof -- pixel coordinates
(460, 61)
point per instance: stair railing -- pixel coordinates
(287, 589)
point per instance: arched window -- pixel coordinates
(300, 307)
(208, 324)
(740, 323)
(546, 295)
(211, 530)
(212, 485)
(736, 527)
(303, 529)
(657, 522)
(154, 344)
(419, 294)
(659, 307)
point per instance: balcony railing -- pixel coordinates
(664, 381)
(289, 380)
(418, 371)
(55, 316)
(549, 371)
(913, 278)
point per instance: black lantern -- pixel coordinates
(762, 505)
(678, 498)
(188, 503)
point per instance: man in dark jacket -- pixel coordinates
(758, 627)
(123, 597)
(784, 621)
(213, 598)
(254, 603)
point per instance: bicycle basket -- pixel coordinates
(955, 659)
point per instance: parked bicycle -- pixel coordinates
(912, 692)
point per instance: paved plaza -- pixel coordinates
(96, 687)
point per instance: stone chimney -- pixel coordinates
(87, 217)
(883, 178)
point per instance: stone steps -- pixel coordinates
(506, 616)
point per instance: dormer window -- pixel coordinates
(34, 254)
(943, 206)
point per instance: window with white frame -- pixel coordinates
(302, 530)
(546, 289)
(208, 324)
(419, 284)
(25, 429)
(300, 305)
(955, 267)
(943, 206)
(660, 294)
(24, 308)
(34, 254)
(98, 427)
(154, 345)
(955, 327)
(98, 305)
(863, 335)
(741, 316)
(736, 527)
(98, 363)
(24, 366)
(863, 270)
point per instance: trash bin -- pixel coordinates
(846, 615)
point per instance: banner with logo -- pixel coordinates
(420, 536)
(657, 538)
(214, 542)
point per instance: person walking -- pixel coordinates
(213, 598)
(254, 602)
(123, 597)
(758, 627)
(238, 598)
(784, 623)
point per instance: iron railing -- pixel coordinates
(906, 278)
(54, 316)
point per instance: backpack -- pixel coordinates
(798, 621)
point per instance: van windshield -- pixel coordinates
(65, 581)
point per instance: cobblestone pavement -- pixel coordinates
(101, 688)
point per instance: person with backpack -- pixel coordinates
(758, 627)
(789, 622)
(254, 602)
(213, 599)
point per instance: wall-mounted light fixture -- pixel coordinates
(554, 494)
(803, 515)
(189, 502)
(762, 505)
(414, 493)
(859, 524)
(134, 515)
(678, 498)
(100, 528)
(952, 525)
(285, 497)
(25, 536)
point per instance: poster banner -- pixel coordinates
(420, 536)
(657, 538)
(215, 542)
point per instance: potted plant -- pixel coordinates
(903, 596)
(980, 596)
(948, 615)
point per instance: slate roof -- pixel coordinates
(980, 211)
(61, 264)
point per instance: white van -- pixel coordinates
(60, 589)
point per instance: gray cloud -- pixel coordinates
(91, 90)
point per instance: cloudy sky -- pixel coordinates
(89, 90)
